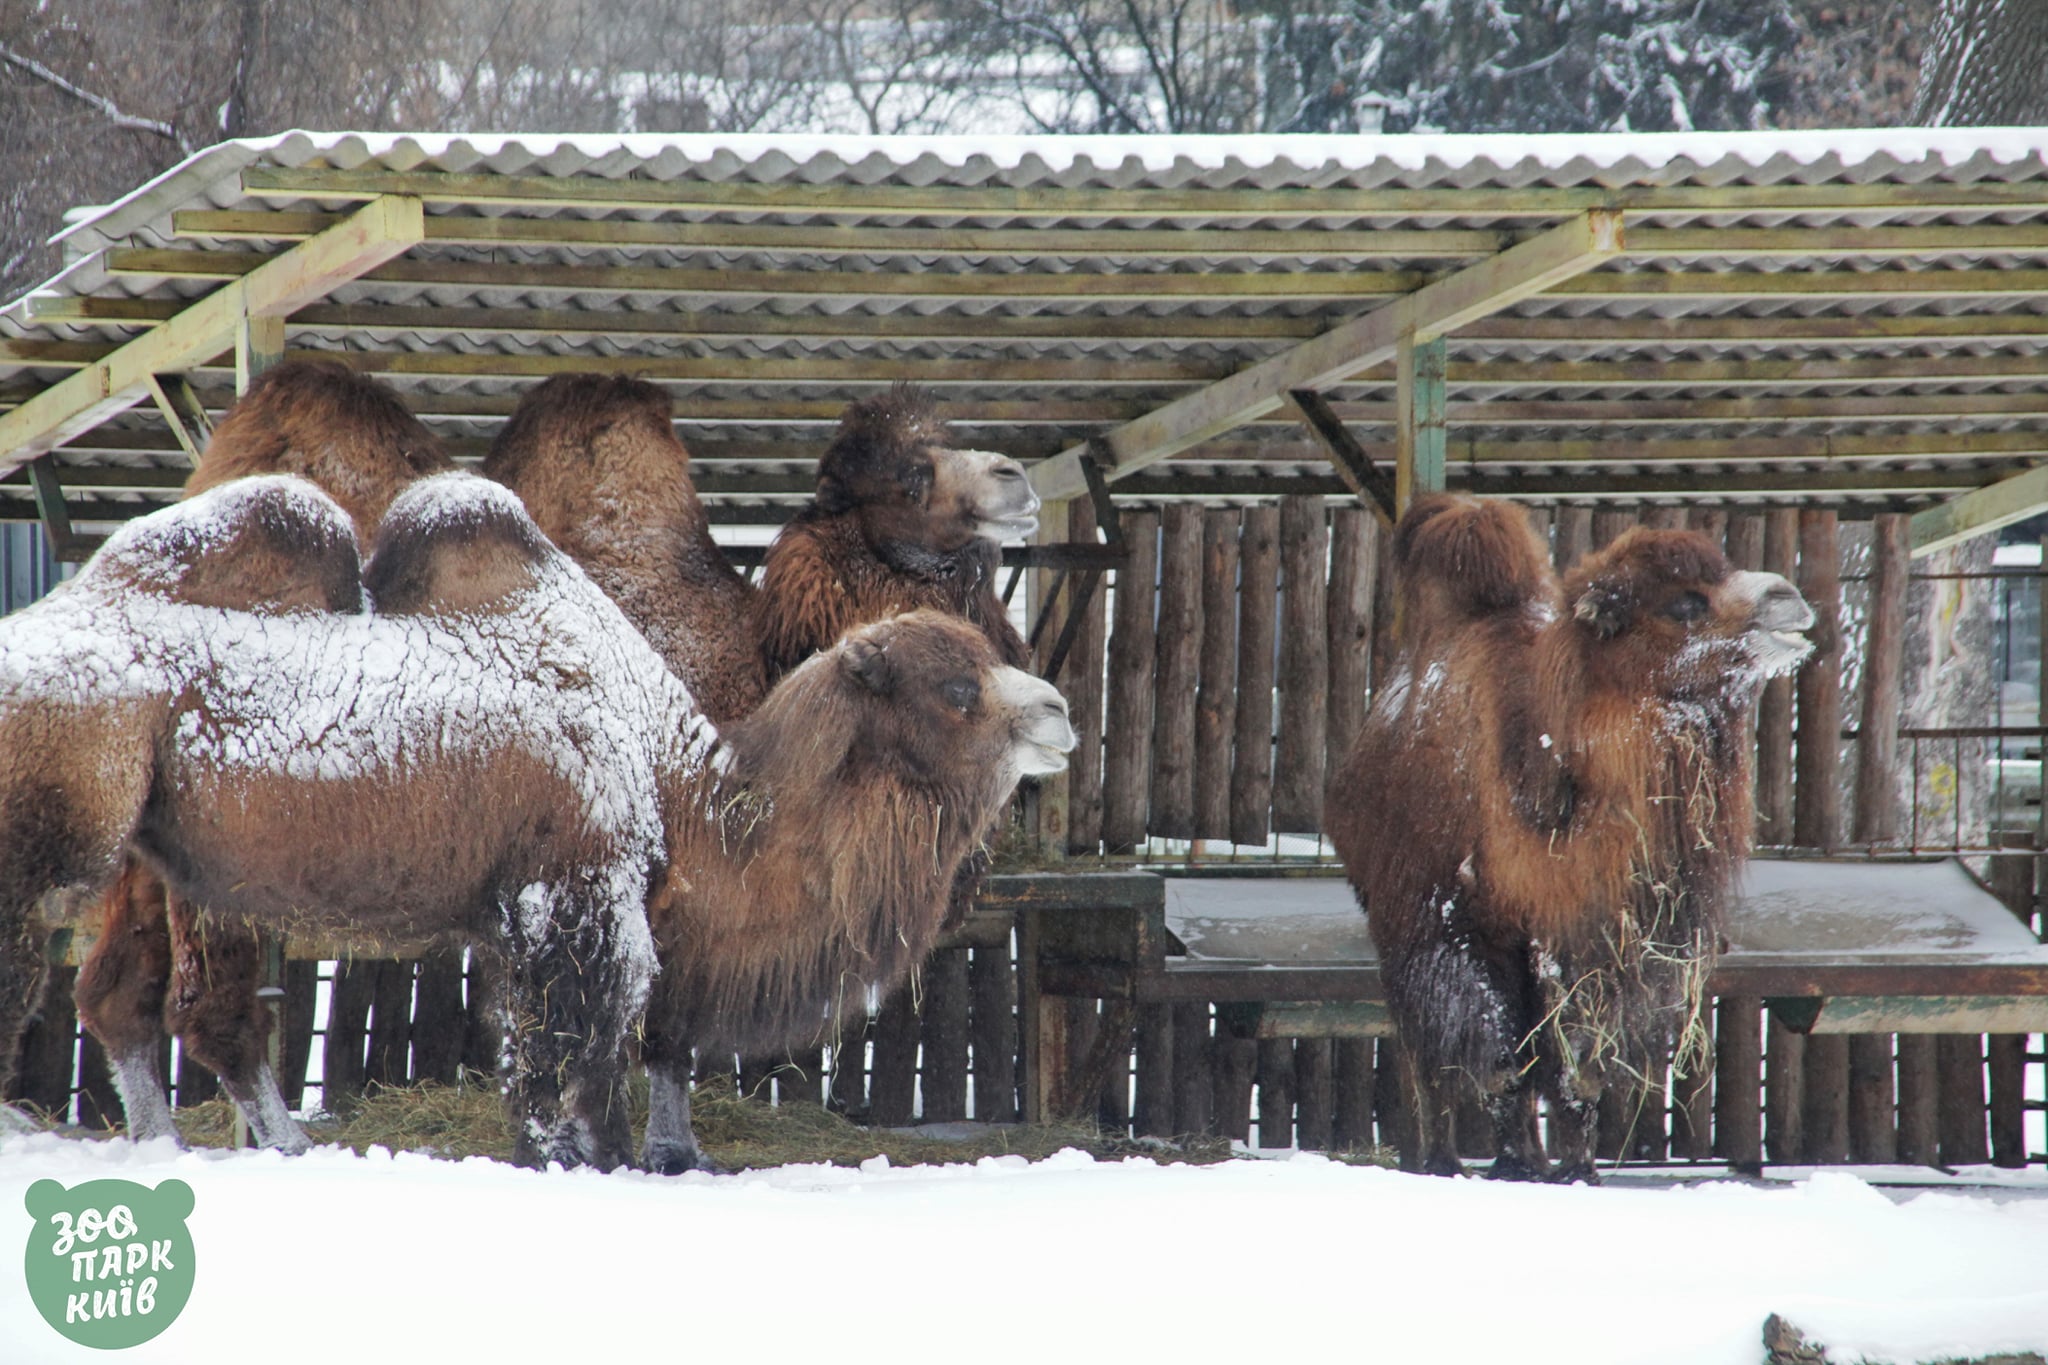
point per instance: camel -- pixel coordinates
(901, 518)
(1545, 809)
(158, 964)
(596, 460)
(493, 678)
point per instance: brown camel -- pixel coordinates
(158, 964)
(901, 518)
(1545, 809)
(494, 678)
(596, 461)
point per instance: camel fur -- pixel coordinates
(159, 965)
(493, 679)
(1545, 809)
(596, 460)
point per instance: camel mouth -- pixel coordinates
(1015, 526)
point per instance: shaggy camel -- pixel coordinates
(158, 965)
(901, 518)
(596, 461)
(136, 710)
(1545, 809)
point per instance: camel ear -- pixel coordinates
(1604, 607)
(869, 663)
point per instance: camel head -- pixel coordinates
(1664, 608)
(893, 464)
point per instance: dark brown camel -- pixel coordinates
(494, 678)
(158, 964)
(1545, 809)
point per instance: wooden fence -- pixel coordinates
(1215, 688)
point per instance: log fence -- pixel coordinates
(1214, 686)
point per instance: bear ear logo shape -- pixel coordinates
(45, 1197)
(173, 1199)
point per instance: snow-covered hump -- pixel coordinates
(554, 671)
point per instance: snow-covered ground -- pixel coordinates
(337, 1257)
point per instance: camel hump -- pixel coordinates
(1467, 557)
(454, 543)
(270, 543)
(568, 416)
(317, 418)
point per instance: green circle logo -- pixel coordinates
(109, 1263)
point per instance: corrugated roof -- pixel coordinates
(1851, 316)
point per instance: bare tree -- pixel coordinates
(1986, 63)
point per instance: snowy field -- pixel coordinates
(335, 1257)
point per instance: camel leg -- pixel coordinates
(1518, 1141)
(121, 996)
(578, 971)
(1429, 1102)
(671, 1147)
(214, 1008)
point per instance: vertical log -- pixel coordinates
(1216, 696)
(1664, 518)
(1304, 667)
(348, 1011)
(1384, 641)
(1540, 521)
(1826, 1101)
(1738, 1083)
(1711, 522)
(1573, 538)
(48, 1059)
(2012, 878)
(1877, 742)
(1919, 1101)
(1251, 776)
(1746, 540)
(1236, 1066)
(1081, 682)
(992, 982)
(1784, 1095)
(1774, 711)
(1314, 1099)
(1610, 522)
(1043, 810)
(1960, 1062)
(1152, 1115)
(1817, 785)
(892, 1088)
(1127, 719)
(301, 992)
(1873, 1134)
(1193, 1097)
(1351, 1126)
(945, 1036)
(1354, 571)
(389, 1061)
(1276, 1092)
(848, 1091)
(1115, 1036)
(437, 1020)
(1692, 1113)
(1178, 659)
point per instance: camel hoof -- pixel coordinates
(1514, 1168)
(668, 1157)
(1443, 1165)
(1576, 1173)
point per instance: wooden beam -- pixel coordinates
(1353, 465)
(1430, 312)
(51, 509)
(1980, 512)
(259, 344)
(373, 234)
(1419, 431)
(1042, 201)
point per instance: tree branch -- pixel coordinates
(106, 106)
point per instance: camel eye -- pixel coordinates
(1687, 606)
(962, 693)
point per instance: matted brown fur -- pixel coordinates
(1546, 806)
(597, 462)
(322, 421)
(891, 528)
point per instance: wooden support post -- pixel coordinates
(1711, 522)
(183, 413)
(1826, 1100)
(301, 995)
(1236, 1067)
(49, 1049)
(1351, 1121)
(1192, 1092)
(1354, 569)
(1774, 711)
(1919, 1101)
(1251, 774)
(1304, 667)
(389, 1062)
(1127, 723)
(1664, 517)
(1276, 1092)
(945, 1036)
(1610, 522)
(1573, 537)
(892, 1088)
(1817, 789)
(1419, 427)
(1314, 1097)
(1371, 486)
(348, 1011)
(1692, 1113)
(437, 1021)
(1877, 743)
(1216, 698)
(1152, 1115)
(992, 984)
(1179, 653)
(1384, 641)
(51, 507)
(1784, 1095)
(1045, 802)
(259, 344)
(1738, 1083)
(1873, 1132)
(1081, 682)
(2012, 878)
(1960, 1062)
